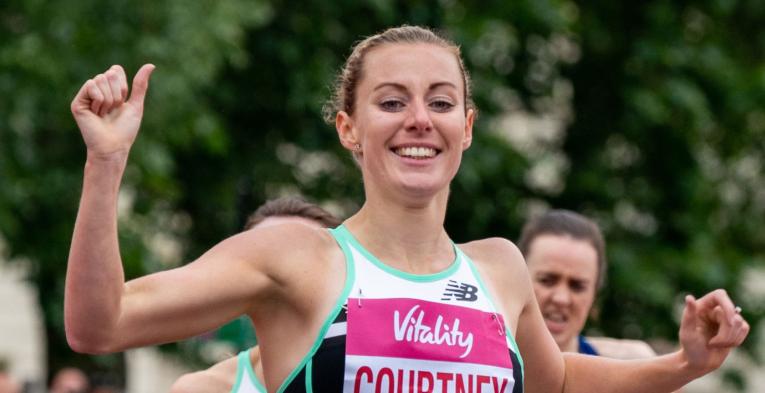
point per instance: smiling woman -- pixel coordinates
(411, 130)
(330, 306)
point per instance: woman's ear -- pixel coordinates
(595, 313)
(346, 131)
(468, 138)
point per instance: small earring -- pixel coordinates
(357, 148)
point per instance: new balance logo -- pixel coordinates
(460, 291)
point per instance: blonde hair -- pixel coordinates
(347, 80)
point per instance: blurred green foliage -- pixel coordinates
(645, 115)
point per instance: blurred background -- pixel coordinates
(646, 115)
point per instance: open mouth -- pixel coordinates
(416, 152)
(556, 321)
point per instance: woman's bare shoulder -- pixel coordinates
(495, 253)
(502, 267)
(290, 240)
(277, 257)
(621, 348)
(289, 233)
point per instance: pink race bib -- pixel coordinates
(408, 345)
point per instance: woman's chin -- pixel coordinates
(422, 188)
(424, 182)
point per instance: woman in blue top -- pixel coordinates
(565, 252)
(403, 108)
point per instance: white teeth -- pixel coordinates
(416, 152)
(555, 317)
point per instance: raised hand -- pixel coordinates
(107, 118)
(710, 328)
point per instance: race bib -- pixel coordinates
(414, 346)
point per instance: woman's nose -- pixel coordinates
(561, 295)
(419, 117)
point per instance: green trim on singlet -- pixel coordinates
(240, 366)
(346, 235)
(494, 304)
(243, 365)
(309, 377)
(350, 277)
(253, 377)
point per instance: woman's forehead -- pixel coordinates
(564, 254)
(405, 64)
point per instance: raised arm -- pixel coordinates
(109, 123)
(102, 312)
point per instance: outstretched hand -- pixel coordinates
(710, 328)
(107, 118)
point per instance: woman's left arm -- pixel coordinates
(710, 328)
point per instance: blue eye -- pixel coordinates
(441, 105)
(392, 105)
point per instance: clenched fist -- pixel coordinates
(107, 118)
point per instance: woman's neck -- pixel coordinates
(407, 236)
(571, 345)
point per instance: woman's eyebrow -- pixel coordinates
(579, 280)
(442, 84)
(547, 274)
(397, 86)
(400, 86)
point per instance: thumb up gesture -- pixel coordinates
(109, 117)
